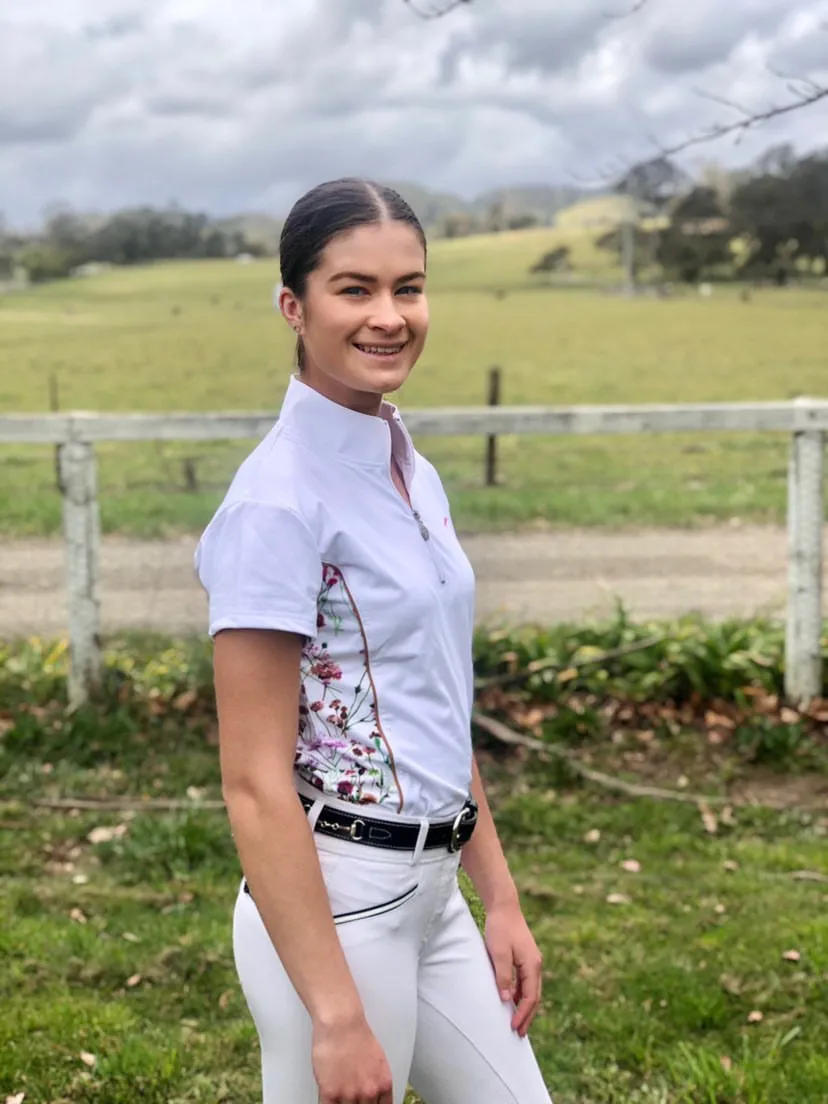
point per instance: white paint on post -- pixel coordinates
(81, 524)
(806, 514)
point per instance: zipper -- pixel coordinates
(424, 533)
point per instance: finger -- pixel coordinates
(528, 997)
(503, 967)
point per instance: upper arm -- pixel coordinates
(260, 565)
(257, 696)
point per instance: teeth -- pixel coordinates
(380, 350)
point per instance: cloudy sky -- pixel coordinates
(243, 104)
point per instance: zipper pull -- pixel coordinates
(424, 533)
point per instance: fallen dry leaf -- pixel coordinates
(88, 1059)
(77, 915)
(133, 981)
(195, 793)
(720, 909)
(183, 702)
(130, 938)
(730, 865)
(80, 879)
(105, 834)
(792, 956)
(731, 984)
(568, 674)
(726, 1063)
(593, 835)
(789, 716)
(618, 899)
(632, 866)
(755, 1016)
(719, 720)
(711, 825)
(225, 999)
(18, 1098)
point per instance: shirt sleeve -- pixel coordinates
(261, 568)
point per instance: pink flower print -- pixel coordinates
(345, 788)
(330, 576)
(326, 670)
(320, 621)
(317, 706)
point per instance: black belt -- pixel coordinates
(450, 834)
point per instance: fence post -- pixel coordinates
(806, 512)
(491, 439)
(81, 526)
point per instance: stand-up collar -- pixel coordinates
(328, 427)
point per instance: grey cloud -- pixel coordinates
(198, 106)
(705, 34)
(544, 41)
(245, 107)
(117, 26)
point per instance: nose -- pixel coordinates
(386, 315)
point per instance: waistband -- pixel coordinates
(376, 812)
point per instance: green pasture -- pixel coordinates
(682, 965)
(203, 337)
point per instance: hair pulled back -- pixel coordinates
(327, 210)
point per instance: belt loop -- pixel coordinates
(314, 811)
(421, 838)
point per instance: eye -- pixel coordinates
(354, 291)
(410, 289)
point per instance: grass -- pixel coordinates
(671, 983)
(203, 337)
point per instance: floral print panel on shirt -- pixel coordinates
(342, 749)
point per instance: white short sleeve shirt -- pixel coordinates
(313, 538)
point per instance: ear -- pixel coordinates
(291, 308)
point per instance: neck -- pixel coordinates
(362, 402)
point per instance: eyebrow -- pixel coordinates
(362, 278)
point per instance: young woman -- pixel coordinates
(342, 610)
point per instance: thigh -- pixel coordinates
(465, 1047)
(382, 960)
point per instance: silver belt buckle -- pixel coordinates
(465, 813)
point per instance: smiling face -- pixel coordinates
(364, 317)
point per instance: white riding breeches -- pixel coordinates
(423, 974)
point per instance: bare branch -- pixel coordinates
(435, 12)
(636, 7)
(750, 119)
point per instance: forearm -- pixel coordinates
(280, 863)
(483, 858)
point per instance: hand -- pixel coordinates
(517, 963)
(350, 1066)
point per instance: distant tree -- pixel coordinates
(784, 214)
(557, 260)
(496, 217)
(458, 225)
(697, 242)
(522, 222)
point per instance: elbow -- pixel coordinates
(257, 794)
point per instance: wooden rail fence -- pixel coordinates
(806, 420)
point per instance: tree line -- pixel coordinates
(137, 235)
(768, 222)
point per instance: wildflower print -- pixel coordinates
(342, 749)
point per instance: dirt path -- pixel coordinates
(521, 577)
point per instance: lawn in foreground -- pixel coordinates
(672, 981)
(202, 336)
